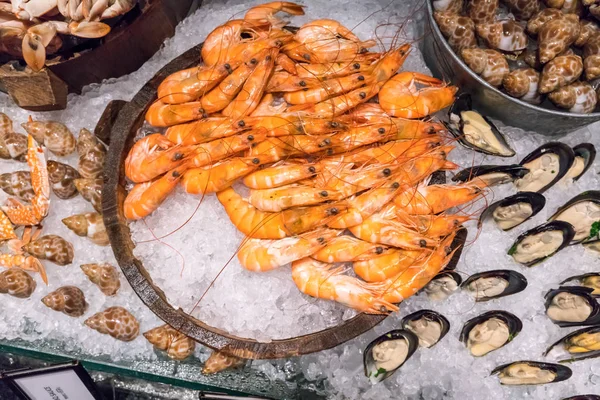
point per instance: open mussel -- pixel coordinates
(585, 153)
(590, 280)
(474, 130)
(429, 326)
(541, 242)
(578, 345)
(514, 210)
(547, 165)
(490, 285)
(442, 285)
(491, 175)
(531, 373)
(490, 331)
(581, 212)
(387, 353)
(572, 306)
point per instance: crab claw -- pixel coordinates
(6, 229)
(18, 213)
(91, 30)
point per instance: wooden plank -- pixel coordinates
(107, 120)
(34, 91)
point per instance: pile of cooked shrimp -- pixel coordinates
(333, 143)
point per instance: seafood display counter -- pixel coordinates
(299, 209)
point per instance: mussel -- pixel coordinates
(474, 130)
(578, 345)
(572, 306)
(547, 165)
(457, 246)
(541, 242)
(593, 245)
(531, 373)
(581, 212)
(590, 280)
(585, 153)
(429, 326)
(443, 285)
(490, 285)
(490, 331)
(387, 353)
(514, 210)
(491, 175)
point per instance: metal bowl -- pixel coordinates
(443, 62)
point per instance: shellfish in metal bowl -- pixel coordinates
(547, 165)
(590, 280)
(541, 242)
(429, 326)
(490, 331)
(572, 306)
(443, 285)
(494, 284)
(531, 373)
(585, 153)
(582, 211)
(578, 345)
(514, 210)
(476, 131)
(491, 175)
(386, 354)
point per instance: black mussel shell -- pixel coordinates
(583, 397)
(567, 231)
(581, 291)
(562, 373)
(582, 278)
(513, 323)
(456, 125)
(375, 375)
(566, 157)
(591, 196)
(444, 275)
(492, 174)
(458, 243)
(537, 202)
(579, 355)
(428, 315)
(587, 151)
(516, 282)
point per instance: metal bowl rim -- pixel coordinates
(592, 116)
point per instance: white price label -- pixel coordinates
(60, 385)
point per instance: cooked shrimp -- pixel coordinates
(294, 195)
(267, 11)
(281, 174)
(146, 197)
(387, 265)
(218, 176)
(326, 89)
(328, 282)
(204, 130)
(286, 63)
(152, 156)
(434, 199)
(163, 115)
(286, 82)
(220, 97)
(207, 153)
(264, 225)
(223, 43)
(400, 97)
(278, 148)
(332, 70)
(400, 150)
(431, 225)
(262, 255)
(347, 248)
(269, 106)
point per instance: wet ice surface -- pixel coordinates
(269, 305)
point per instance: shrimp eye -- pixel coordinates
(333, 124)
(312, 170)
(321, 240)
(302, 83)
(278, 43)
(423, 243)
(227, 67)
(448, 250)
(361, 78)
(382, 309)
(378, 249)
(177, 156)
(306, 56)
(255, 161)
(176, 174)
(362, 95)
(356, 66)
(455, 222)
(268, 58)
(253, 61)
(329, 151)
(381, 130)
(431, 129)
(324, 193)
(250, 137)
(334, 211)
(387, 172)
(402, 52)
(241, 123)
(327, 141)
(395, 185)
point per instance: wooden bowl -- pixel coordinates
(129, 120)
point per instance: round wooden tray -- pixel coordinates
(133, 39)
(130, 119)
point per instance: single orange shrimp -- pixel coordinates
(249, 97)
(325, 281)
(431, 225)
(286, 82)
(216, 150)
(218, 98)
(413, 279)
(294, 195)
(146, 197)
(400, 97)
(163, 115)
(343, 178)
(264, 225)
(262, 255)
(152, 156)
(266, 12)
(278, 148)
(434, 199)
(347, 248)
(218, 176)
(204, 130)
(222, 44)
(399, 150)
(332, 70)
(326, 89)
(387, 265)
(174, 79)
(281, 174)
(361, 136)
